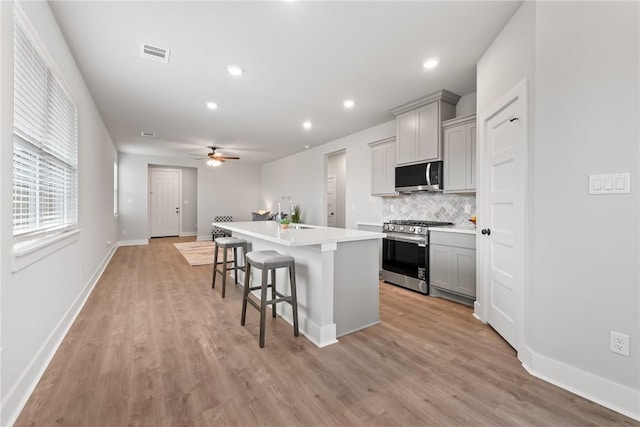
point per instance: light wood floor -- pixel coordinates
(156, 346)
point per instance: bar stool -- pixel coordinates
(227, 243)
(269, 261)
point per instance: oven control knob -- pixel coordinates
(401, 228)
(418, 230)
(392, 227)
(412, 229)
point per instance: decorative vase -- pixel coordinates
(284, 226)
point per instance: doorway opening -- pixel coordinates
(173, 201)
(336, 174)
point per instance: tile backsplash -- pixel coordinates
(430, 206)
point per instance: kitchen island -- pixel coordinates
(336, 274)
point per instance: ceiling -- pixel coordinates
(301, 61)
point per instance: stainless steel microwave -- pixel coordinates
(420, 177)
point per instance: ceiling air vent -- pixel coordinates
(149, 134)
(154, 53)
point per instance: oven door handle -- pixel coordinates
(419, 240)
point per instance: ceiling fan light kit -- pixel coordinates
(215, 159)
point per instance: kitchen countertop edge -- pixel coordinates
(292, 237)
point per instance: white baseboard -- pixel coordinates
(15, 399)
(133, 242)
(188, 233)
(202, 237)
(607, 393)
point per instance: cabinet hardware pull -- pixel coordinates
(514, 119)
(486, 231)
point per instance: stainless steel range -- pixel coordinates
(405, 253)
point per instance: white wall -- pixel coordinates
(581, 62)
(231, 189)
(40, 301)
(467, 104)
(302, 176)
(189, 201)
(337, 165)
(585, 279)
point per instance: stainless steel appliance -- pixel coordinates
(405, 253)
(420, 177)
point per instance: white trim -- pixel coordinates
(203, 237)
(133, 242)
(607, 393)
(28, 252)
(29, 378)
(189, 233)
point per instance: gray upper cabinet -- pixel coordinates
(419, 127)
(383, 164)
(460, 154)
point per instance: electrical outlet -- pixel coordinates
(619, 343)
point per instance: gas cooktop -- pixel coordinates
(412, 226)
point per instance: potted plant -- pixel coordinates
(295, 215)
(284, 223)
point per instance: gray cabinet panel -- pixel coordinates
(383, 164)
(452, 266)
(459, 137)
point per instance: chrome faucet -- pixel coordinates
(291, 207)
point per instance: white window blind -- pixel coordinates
(45, 142)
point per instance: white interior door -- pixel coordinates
(164, 202)
(502, 222)
(331, 200)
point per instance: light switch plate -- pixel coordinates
(613, 183)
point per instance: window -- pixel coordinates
(45, 142)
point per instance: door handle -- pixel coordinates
(486, 231)
(428, 174)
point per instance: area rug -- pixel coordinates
(197, 253)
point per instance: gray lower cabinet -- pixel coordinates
(452, 266)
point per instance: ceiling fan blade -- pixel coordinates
(227, 157)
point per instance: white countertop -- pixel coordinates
(458, 228)
(310, 235)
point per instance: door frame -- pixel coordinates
(170, 169)
(481, 305)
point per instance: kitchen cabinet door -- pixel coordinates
(406, 133)
(383, 165)
(452, 266)
(428, 133)
(419, 127)
(460, 155)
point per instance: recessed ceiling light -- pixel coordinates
(234, 70)
(212, 105)
(307, 146)
(430, 63)
(306, 125)
(348, 103)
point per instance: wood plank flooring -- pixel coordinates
(156, 346)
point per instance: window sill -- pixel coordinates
(31, 251)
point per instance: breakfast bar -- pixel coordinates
(336, 273)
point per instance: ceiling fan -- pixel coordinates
(216, 159)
